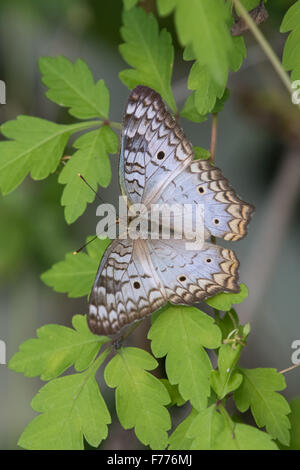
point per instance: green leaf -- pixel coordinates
(220, 103)
(72, 407)
(206, 90)
(37, 146)
(291, 52)
(295, 425)
(128, 4)
(72, 85)
(92, 161)
(224, 300)
(175, 397)
(210, 430)
(228, 323)
(205, 27)
(180, 333)
(56, 349)
(201, 153)
(179, 440)
(189, 110)
(75, 275)
(226, 378)
(269, 408)
(140, 397)
(152, 60)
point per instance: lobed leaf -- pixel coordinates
(36, 146)
(72, 407)
(179, 439)
(72, 85)
(75, 275)
(92, 162)
(205, 28)
(210, 430)
(225, 300)
(269, 408)
(56, 349)
(140, 397)
(152, 60)
(180, 334)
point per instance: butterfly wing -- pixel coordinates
(126, 287)
(190, 276)
(154, 148)
(225, 214)
(136, 277)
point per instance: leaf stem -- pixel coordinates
(213, 139)
(289, 368)
(264, 44)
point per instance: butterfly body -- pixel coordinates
(138, 276)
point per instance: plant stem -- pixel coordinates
(264, 44)
(213, 139)
(289, 368)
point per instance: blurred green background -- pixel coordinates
(257, 149)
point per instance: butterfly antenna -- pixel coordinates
(83, 246)
(95, 192)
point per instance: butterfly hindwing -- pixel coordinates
(126, 287)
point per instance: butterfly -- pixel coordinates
(138, 276)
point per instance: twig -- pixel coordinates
(213, 139)
(289, 368)
(264, 44)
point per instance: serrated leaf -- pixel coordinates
(201, 153)
(225, 300)
(211, 431)
(205, 27)
(291, 52)
(189, 110)
(72, 85)
(179, 440)
(152, 60)
(56, 349)
(180, 333)
(269, 408)
(91, 160)
(37, 146)
(72, 407)
(295, 424)
(140, 397)
(75, 275)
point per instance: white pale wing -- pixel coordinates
(153, 147)
(137, 277)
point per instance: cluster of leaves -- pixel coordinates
(71, 407)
